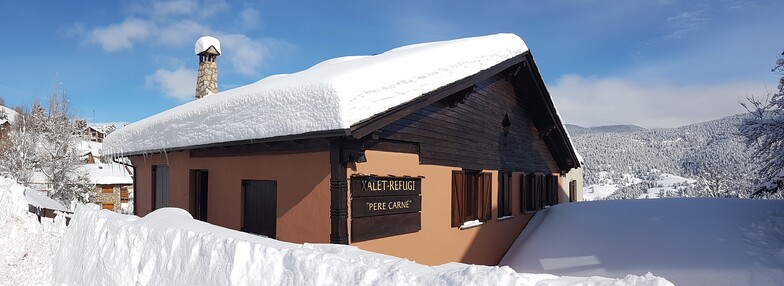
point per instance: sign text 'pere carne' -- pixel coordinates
(384, 206)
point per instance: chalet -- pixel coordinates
(435, 152)
(93, 134)
(113, 184)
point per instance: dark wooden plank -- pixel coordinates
(368, 228)
(388, 205)
(373, 186)
(393, 146)
(264, 148)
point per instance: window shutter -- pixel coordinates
(458, 198)
(485, 195)
(539, 191)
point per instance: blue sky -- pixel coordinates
(652, 63)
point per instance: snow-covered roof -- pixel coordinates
(107, 174)
(7, 115)
(38, 199)
(204, 43)
(85, 147)
(332, 95)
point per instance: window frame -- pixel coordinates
(504, 194)
(477, 206)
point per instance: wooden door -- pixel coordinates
(199, 185)
(260, 207)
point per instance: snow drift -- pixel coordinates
(168, 247)
(687, 241)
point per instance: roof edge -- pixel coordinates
(307, 135)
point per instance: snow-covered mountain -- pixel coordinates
(707, 159)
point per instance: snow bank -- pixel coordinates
(687, 241)
(12, 200)
(168, 247)
(332, 95)
(27, 247)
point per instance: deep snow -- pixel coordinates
(332, 95)
(168, 247)
(27, 247)
(688, 241)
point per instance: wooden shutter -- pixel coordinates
(539, 192)
(485, 196)
(573, 190)
(458, 198)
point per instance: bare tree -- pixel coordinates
(44, 141)
(764, 132)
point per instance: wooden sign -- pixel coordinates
(372, 186)
(385, 206)
(368, 228)
(373, 206)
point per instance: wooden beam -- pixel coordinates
(338, 190)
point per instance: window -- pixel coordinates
(504, 200)
(471, 195)
(537, 191)
(551, 190)
(527, 193)
(573, 190)
(160, 186)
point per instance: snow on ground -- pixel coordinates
(666, 182)
(597, 192)
(693, 241)
(168, 247)
(330, 96)
(26, 246)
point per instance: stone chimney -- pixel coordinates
(208, 49)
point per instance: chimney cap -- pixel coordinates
(203, 45)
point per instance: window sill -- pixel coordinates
(471, 224)
(505, 217)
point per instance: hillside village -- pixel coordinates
(441, 162)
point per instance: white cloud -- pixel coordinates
(605, 101)
(179, 83)
(181, 33)
(121, 36)
(686, 22)
(175, 7)
(244, 54)
(250, 18)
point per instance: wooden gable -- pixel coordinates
(467, 130)
(463, 124)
